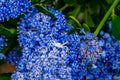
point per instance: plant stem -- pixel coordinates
(105, 17)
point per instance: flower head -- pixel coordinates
(44, 42)
(13, 8)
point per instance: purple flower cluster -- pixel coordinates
(12, 8)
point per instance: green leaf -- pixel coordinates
(5, 77)
(86, 28)
(78, 26)
(116, 26)
(4, 31)
(45, 11)
(76, 22)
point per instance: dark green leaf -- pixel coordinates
(48, 1)
(86, 28)
(37, 1)
(116, 26)
(5, 77)
(70, 1)
(45, 11)
(4, 31)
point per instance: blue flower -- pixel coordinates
(13, 8)
(2, 56)
(3, 41)
(18, 76)
(45, 46)
(50, 53)
(95, 57)
(14, 56)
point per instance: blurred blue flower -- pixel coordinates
(3, 41)
(2, 56)
(14, 56)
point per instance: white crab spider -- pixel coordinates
(59, 45)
